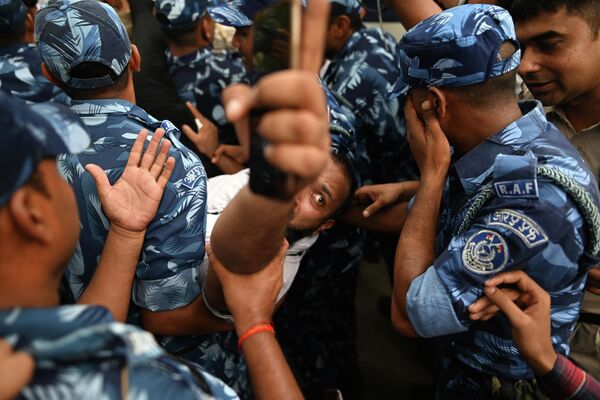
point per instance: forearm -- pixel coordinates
(113, 279)
(411, 12)
(567, 381)
(269, 371)
(416, 247)
(250, 231)
(389, 220)
(194, 319)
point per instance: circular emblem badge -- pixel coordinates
(485, 253)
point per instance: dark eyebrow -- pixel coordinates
(326, 190)
(545, 36)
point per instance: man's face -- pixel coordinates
(243, 40)
(62, 211)
(317, 202)
(560, 57)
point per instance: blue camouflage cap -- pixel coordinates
(12, 16)
(71, 32)
(31, 133)
(342, 134)
(350, 7)
(180, 15)
(238, 13)
(458, 47)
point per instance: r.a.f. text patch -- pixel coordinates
(522, 188)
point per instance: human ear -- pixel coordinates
(48, 75)
(207, 29)
(26, 208)
(439, 101)
(136, 60)
(328, 224)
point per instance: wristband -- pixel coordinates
(261, 327)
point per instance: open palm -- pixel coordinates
(131, 203)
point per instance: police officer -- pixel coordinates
(20, 64)
(94, 66)
(361, 71)
(199, 72)
(78, 350)
(513, 195)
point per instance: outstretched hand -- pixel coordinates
(132, 202)
(384, 195)
(206, 135)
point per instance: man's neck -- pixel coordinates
(479, 125)
(584, 111)
(28, 292)
(183, 49)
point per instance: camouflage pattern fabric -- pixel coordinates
(517, 229)
(81, 353)
(360, 75)
(166, 276)
(21, 75)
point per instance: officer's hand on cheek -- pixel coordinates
(16, 370)
(295, 119)
(427, 141)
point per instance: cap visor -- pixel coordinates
(229, 16)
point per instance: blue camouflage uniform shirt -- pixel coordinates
(21, 74)
(80, 352)
(360, 75)
(529, 224)
(201, 76)
(166, 276)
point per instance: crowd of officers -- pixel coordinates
(138, 259)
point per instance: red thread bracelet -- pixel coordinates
(263, 327)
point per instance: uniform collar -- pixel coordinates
(50, 323)
(194, 56)
(108, 107)
(13, 49)
(474, 167)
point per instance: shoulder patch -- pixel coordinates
(192, 177)
(485, 253)
(524, 227)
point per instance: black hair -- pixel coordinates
(341, 159)
(338, 10)
(90, 70)
(488, 93)
(589, 10)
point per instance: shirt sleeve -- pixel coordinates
(167, 275)
(526, 237)
(567, 381)
(429, 307)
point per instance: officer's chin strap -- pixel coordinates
(578, 194)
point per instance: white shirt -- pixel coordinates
(221, 190)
